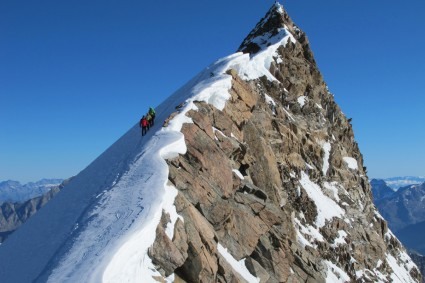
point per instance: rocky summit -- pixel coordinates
(275, 181)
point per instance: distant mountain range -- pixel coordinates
(413, 236)
(380, 189)
(404, 209)
(396, 183)
(13, 214)
(15, 192)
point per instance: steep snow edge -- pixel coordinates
(211, 86)
(100, 226)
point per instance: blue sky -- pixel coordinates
(76, 75)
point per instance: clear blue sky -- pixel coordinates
(76, 75)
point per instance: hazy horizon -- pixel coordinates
(75, 76)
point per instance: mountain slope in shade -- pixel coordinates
(255, 178)
(405, 207)
(380, 189)
(413, 237)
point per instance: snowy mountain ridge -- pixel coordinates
(137, 213)
(130, 184)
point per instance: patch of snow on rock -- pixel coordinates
(238, 266)
(326, 207)
(335, 274)
(327, 149)
(238, 173)
(301, 100)
(259, 65)
(170, 208)
(400, 273)
(341, 239)
(333, 187)
(351, 163)
(307, 235)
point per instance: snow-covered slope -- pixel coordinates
(100, 226)
(13, 191)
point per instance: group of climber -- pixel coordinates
(147, 121)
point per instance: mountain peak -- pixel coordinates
(255, 176)
(273, 29)
(274, 22)
(277, 8)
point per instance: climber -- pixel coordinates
(143, 125)
(152, 113)
(149, 119)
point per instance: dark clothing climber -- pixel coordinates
(144, 125)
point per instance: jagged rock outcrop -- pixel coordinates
(277, 179)
(13, 215)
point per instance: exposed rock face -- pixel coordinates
(13, 215)
(278, 179)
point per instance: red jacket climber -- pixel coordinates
(143, 124)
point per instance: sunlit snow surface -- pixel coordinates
(119, 236)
